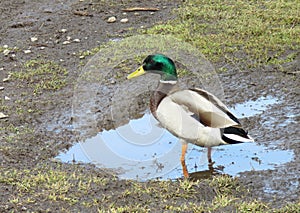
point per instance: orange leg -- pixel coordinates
(210, 162)
(182, 159)
(209, 155)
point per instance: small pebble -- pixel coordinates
(151, 13)
(68, 38)
(136, 13)
(111, 19)
(48, 10)
(6, 52)
(33, 39)
(124, 13)
(124, 20)
(2, 115)
(42, 48)
(66, 42)
(1, 88)
(6, 98)
(76, 40)
(112, 81)
(5, 46)
(63, 30)
(27, 51)
(6, 79)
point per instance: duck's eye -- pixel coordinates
(158, 65)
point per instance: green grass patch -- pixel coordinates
(263, 31)
(42, 75)
(74, 187)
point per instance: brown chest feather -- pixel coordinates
(159, 94)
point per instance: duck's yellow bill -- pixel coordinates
(138, 72)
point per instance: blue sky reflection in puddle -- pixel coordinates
(142, 150)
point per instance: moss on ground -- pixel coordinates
(75, 187)
(264, 32)
(42, 75)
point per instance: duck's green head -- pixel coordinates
(159, 64)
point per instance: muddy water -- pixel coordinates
(142, 150)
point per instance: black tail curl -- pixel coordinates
(234, 131)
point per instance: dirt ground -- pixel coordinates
(58, 31)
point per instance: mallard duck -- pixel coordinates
(193, 115)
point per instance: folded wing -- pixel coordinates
(205, 107)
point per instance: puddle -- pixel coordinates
(142, 150)
(252, 108)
